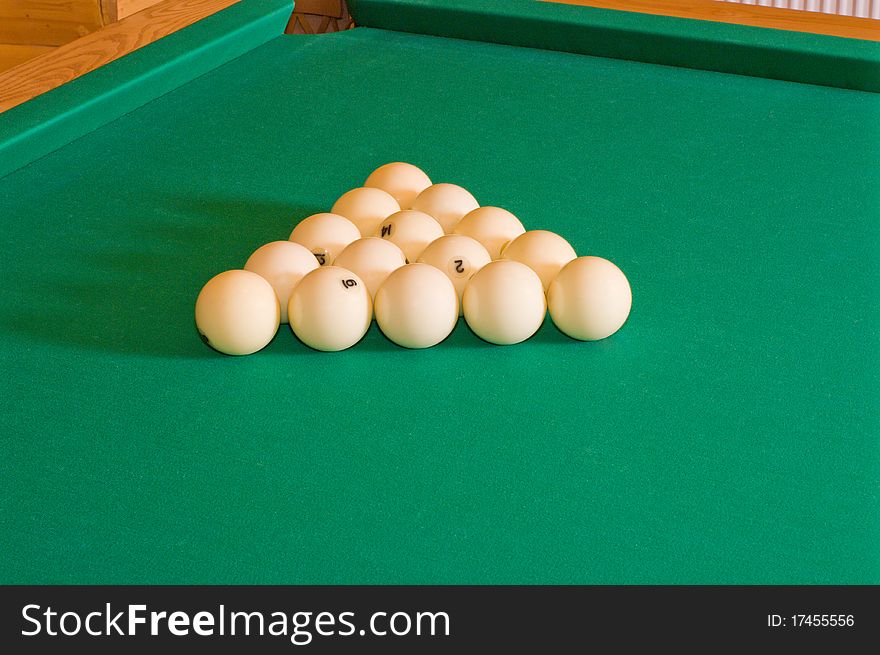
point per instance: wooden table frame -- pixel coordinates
(43, 73)
(793, 20)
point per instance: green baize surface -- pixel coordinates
(727, 434)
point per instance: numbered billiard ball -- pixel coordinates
(590, 299)
(447, 203)
(542, 251)
(459, 257)
(282, 264)
(366, 207)
(411, 231)
(325, 235)
(504, 302)
(237, 312)
(330, 309)
(403, 181)
(492, 226)
(416, 307)
(373, 259)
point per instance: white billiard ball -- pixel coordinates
(282, 264)
(325, 235)
(237, 312)
(458, 256)
(504, 302)
(590, 299)
(330, 309)
(411, 231)
(403, 181)
(416, 307)
(542, 251)
(492, 226)
(447, 203)
(366, 207)
(373, 259)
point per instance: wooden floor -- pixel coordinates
(30, 28)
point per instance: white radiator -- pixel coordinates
(859, 8)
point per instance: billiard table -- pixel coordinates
(729, 433)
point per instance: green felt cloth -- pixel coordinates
(706, 45)
(53, 119)
(727, 434)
